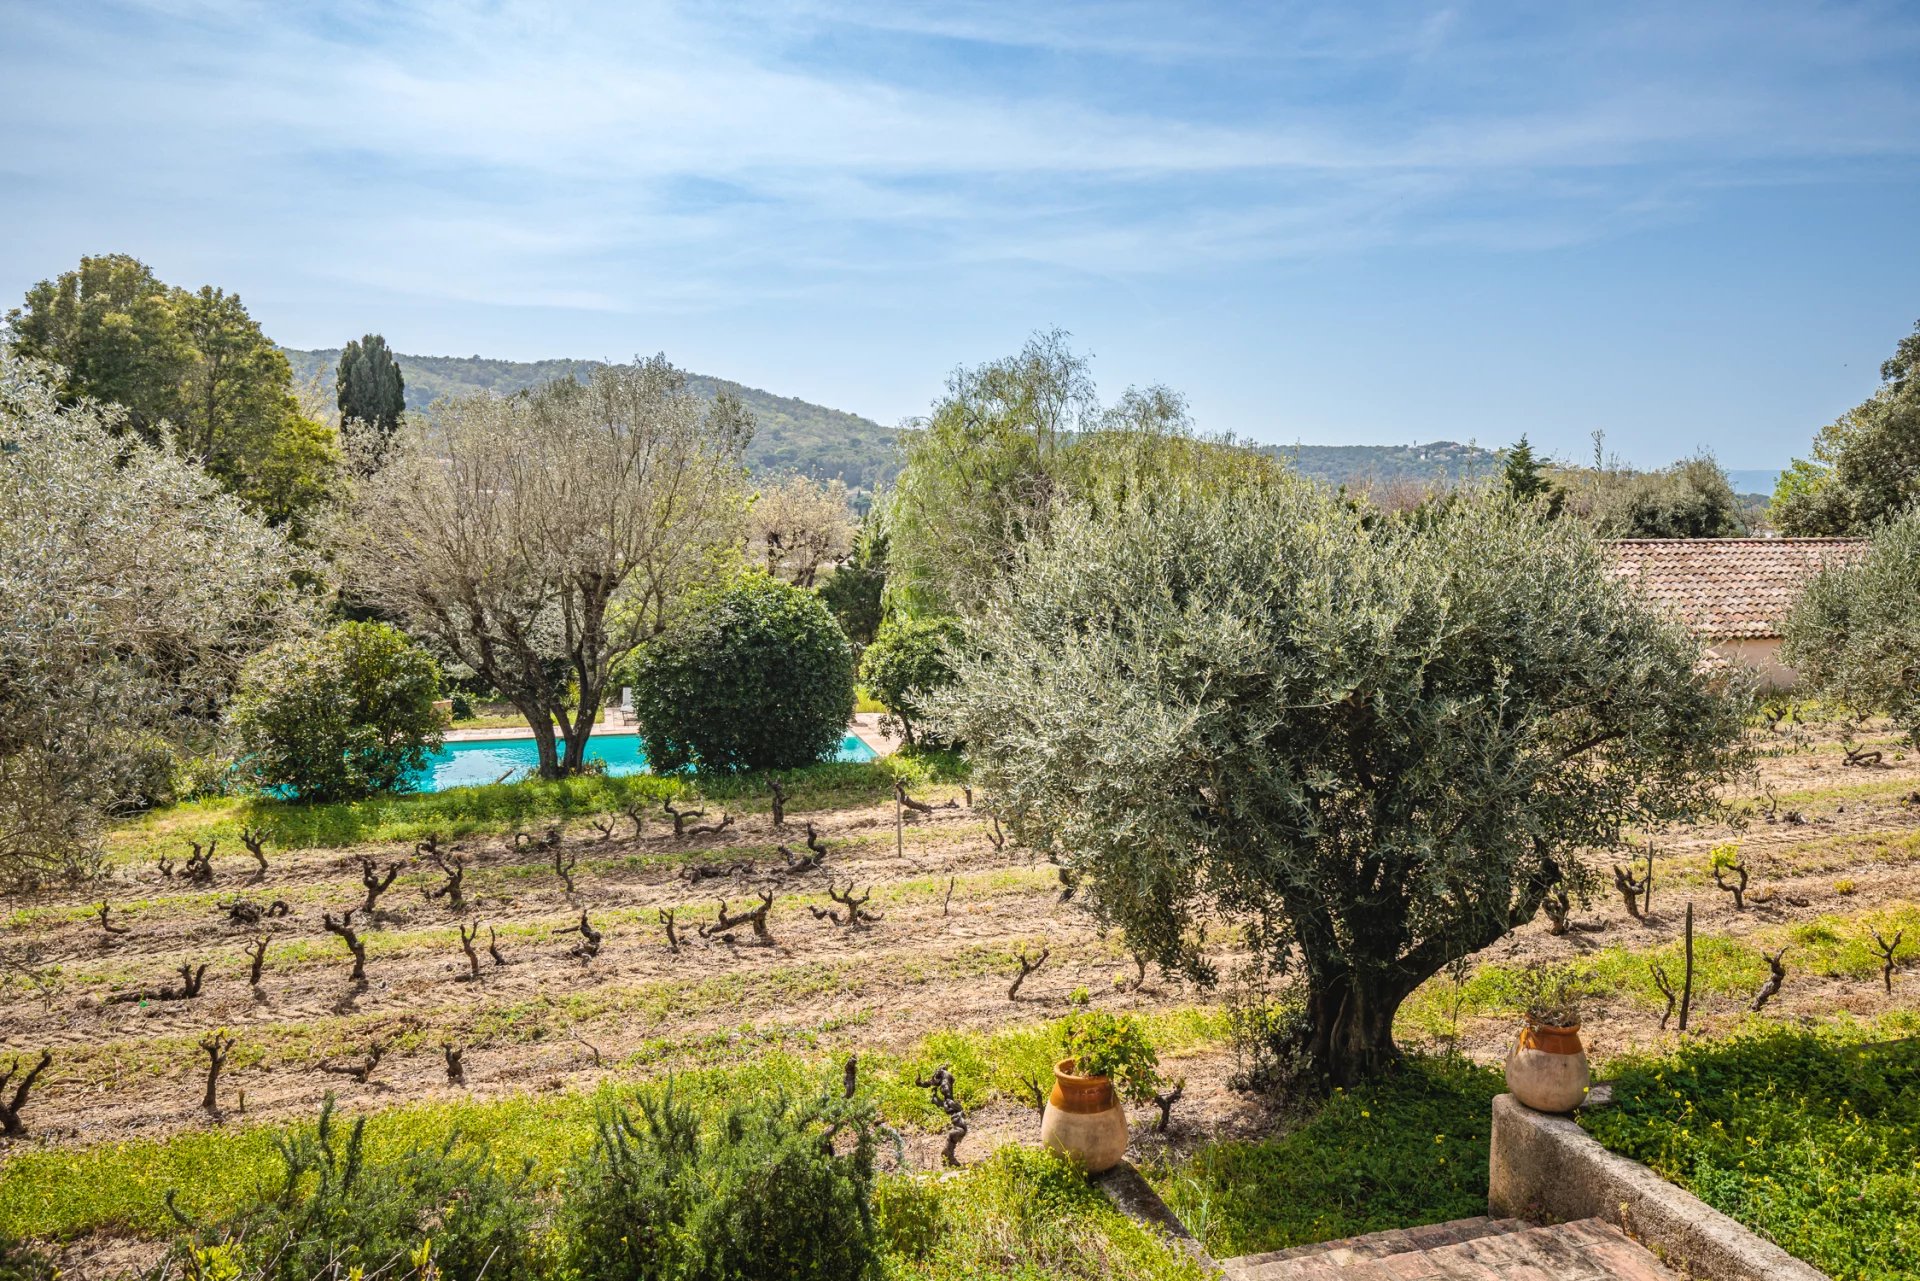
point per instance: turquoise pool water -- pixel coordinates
(506, 760)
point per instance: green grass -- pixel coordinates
(505, 807)
(58, 1193)
(1021, 1215)
(1831, 946)
(1408, 1150)
(1810, 1137)
(503, 720)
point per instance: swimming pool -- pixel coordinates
(504, 760)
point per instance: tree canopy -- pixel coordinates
(369, 387)
(1009, 441)
(797, 527)
(110, 328)
(1854, 636)
(1379, 742)
(189, 367)
(538, 539)
(1865, 467)
(1690, 499)
(131, 587)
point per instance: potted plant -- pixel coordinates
(1547, 1068)
(1110, 1059)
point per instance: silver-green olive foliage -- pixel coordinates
(1854, 636)
(131, 589)
(1376, 743)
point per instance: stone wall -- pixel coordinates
(1546, 1169)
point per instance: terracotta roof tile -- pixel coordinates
(1728, 587)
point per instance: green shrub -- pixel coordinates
(853, 593)
(443, 1212)
(1114, 1046)
(1811, 1137)
(760, 1191)
(340, 716)
(755, 674)
(907, 663)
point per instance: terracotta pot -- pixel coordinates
(1084, 1119)
(1547, 1069)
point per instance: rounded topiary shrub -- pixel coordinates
(755, 674)
(907, 664)
(339, 716)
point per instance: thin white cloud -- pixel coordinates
(534, 153)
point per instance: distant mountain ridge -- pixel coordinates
(792, 435)
(1436, 461)
(799, 436)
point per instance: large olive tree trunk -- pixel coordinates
(1350, 1028)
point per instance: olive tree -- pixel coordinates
(1379, 743)
(797, 526)
(131, 588)
(539, 538)
(1854, 636)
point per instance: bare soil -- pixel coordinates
(1830, 840)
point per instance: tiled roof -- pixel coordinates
(1728, 588)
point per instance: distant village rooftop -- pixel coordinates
(1728, 588)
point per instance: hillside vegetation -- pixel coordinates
(793, 435)
(813, 440)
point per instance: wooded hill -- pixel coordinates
(792, 435)
(798, 436)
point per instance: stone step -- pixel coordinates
(1469, 1250)
(1373, 1245)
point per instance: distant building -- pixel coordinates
(1734, 593)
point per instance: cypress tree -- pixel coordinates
(368, 385)
(1525, 480)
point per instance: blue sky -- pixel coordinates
(1685, 225)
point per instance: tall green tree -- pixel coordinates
(1377, 744)
(981, 469)
(855, 590)
(193, 368)
(1010, 440)
(237, 392)
(110, 327)
(1526, 480)
(1865, 466)
(369, 387)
